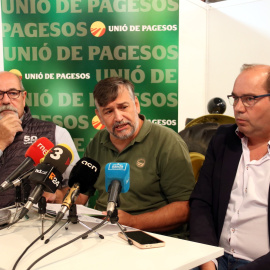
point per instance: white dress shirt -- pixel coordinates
(245, 229)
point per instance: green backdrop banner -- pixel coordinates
(63, 48)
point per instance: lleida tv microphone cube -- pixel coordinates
(120, 172)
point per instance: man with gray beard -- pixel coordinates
(161, 177)
(18, 130)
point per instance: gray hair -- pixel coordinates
(246, 67)
(19, 79)
(106, 90)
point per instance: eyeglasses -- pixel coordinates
(12, 94)
(248, 101)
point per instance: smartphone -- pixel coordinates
(142, 239)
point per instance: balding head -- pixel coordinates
(10, 81)
(263, 71)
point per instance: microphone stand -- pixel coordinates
(42, 211)
(18, 200)
(114, 220)
(73, 218)
(26, 192)
(18, 203)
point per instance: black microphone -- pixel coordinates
(116, 181)
(82, 177)
(33, 155)
(26, 191)
(48, 174)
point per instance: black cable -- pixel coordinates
(41, 236)
(69, 242)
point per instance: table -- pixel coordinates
(112, 252)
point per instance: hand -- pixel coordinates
(56, 197)
(208, 266)
(50, 197)
(124, 218)
(10, 124)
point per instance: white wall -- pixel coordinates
(192, 60)
(229, 34)
(239, 32)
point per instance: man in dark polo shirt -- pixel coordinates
(161, 177)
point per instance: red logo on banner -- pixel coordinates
(96, 123)
(98, 29)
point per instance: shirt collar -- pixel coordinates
(244, 139)
(239, 133)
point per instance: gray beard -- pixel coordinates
(7, 107)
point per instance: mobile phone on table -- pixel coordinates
(142, 239)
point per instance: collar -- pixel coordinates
(22, 116)
(239, 133)
(26, 116)
(244, 139)
(145, 129)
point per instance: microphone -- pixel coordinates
(60, 151)
(48, 174)
(82, 177)
(33, 155)
(17, 182)
(116, 181)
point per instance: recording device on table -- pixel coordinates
(5, 216)
(142, 239)
(117, 180)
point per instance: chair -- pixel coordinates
(197, 160)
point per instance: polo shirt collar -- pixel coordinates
(144, 131)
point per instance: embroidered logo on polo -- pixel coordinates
(29, 139)
(140, 163)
